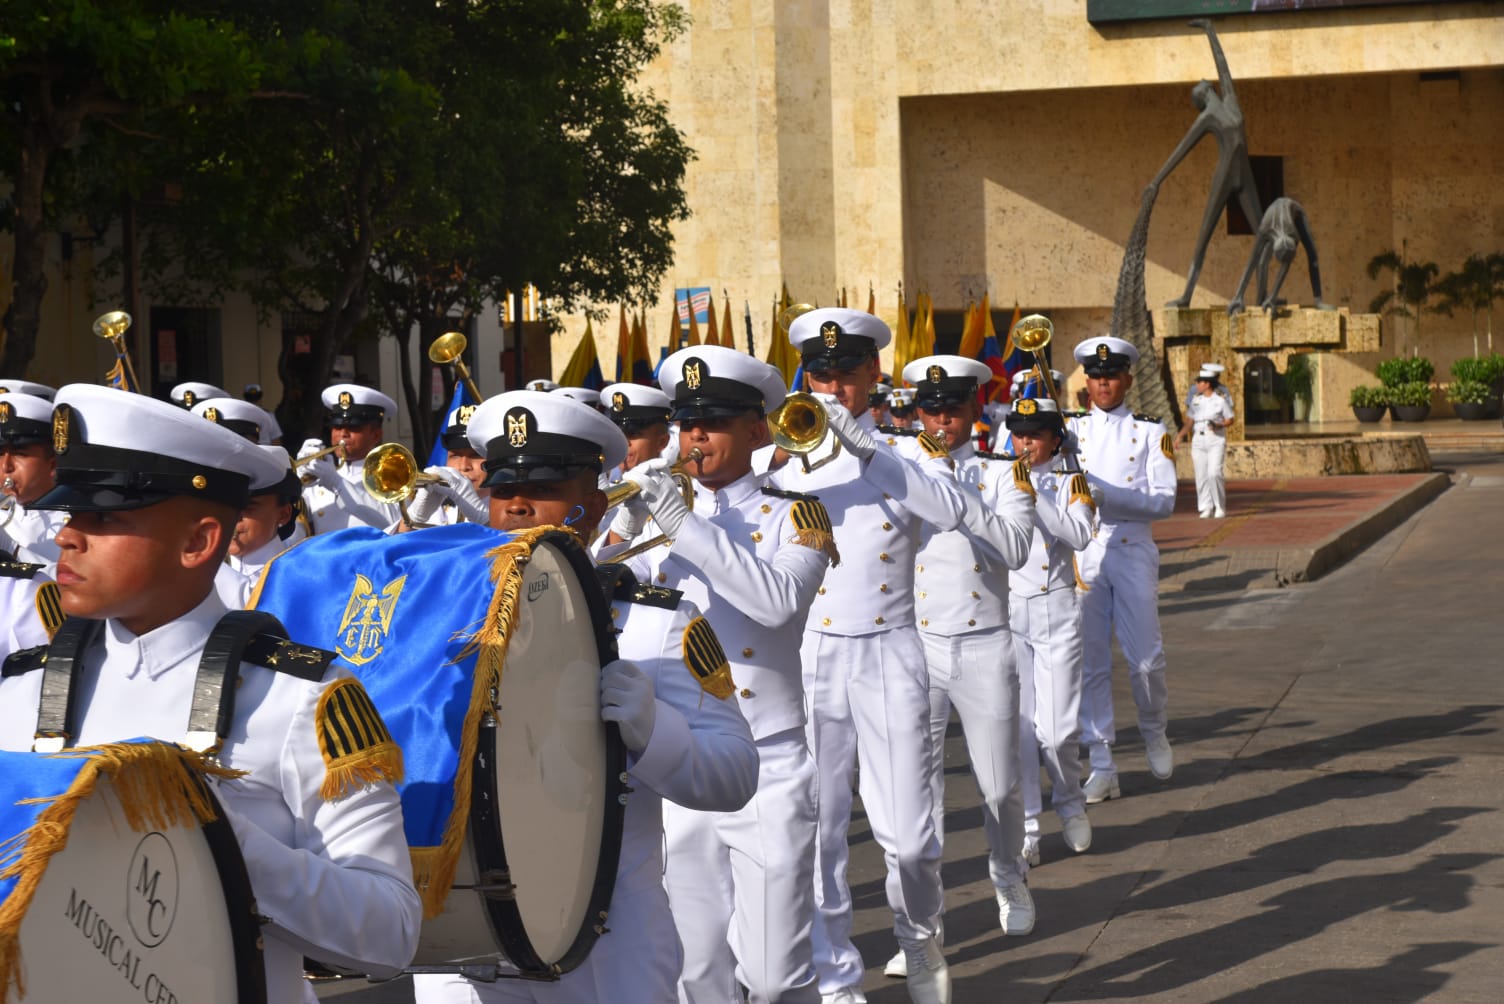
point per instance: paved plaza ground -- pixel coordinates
(1332, 831)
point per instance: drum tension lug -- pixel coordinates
(496, 884)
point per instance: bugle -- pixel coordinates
(447, 350)
(800, 426)
(112, 327)
(621, 491)
(338, 449)
(1032, 334)
(391, 474)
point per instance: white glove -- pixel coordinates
(1097, 495)
(844, 427)
(425, 502)
(627, 699)
(660, 494)
(321, 470)
(463, 494)
(631, 518)
(650, 476)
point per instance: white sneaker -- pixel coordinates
(929, 976)
(1161, 757)
(1205, 514)
(1031, 851)
(897, 967)
(1100, 786)
(1077, 833)
(845, 995)
(1219, 514)
(1015, 909)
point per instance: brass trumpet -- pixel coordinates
(621, 491)
(112, 327)
(446, 350)
(392, 475)
(1032, 334)
(799, 426)
(338, 449)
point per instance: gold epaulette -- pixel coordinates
(357, 748)
(1021, 477)
(812, 528)
(706, 659)
(1167, 446)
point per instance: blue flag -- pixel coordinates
(439, 455)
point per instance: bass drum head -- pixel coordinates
(126, 916)
(557, 769)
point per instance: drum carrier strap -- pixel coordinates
(57, 712)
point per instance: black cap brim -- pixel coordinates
(70, 498)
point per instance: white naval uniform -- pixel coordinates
(1130, 459)
(30, 532)
(700, 755)
(237, 577)
(741, 883)
(868, 691)
(349, 504)
(1208, 448)
(960, 598)
(22, 627)
(334, 877)
(1046, 617)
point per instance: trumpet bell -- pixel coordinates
(447, 348)
(112, 325)
(787, 315)
(391, 473)
(1033, 333)
(799, 424)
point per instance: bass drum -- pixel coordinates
(549, 790)
(121, 916)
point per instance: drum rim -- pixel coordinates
(488, 843)
(240, 903)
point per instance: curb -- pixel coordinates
(1348, 541)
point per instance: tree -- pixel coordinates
(1473, 288)
(69, 73)
(1414, 283)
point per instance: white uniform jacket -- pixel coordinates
(349, 504)
(1064, 516)
(1131, 458)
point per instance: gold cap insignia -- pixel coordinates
(830, 332)
(4, 411)
(189, 398)
(212, 414)
(1103, 351)
(462, 417)
(517, 422)
(4, 390)
(345, 399)
(694, 374)
(62, 422)
(1026, 406)
(618, 401)
(936, 374)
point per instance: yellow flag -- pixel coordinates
(694, 325)
(871, 299)
(584, 368)
(901, 342)
(712, 329)
(728, 334)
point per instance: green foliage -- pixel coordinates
(1414, 284)
(1469, 392)
(1414, 394)
(1484, 369)
(1364, 396)
(1298, 377)
(1405, 369)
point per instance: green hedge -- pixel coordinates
(1395, 372)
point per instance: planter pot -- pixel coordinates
(1410, 412)
(1369, 414)
(1300, 409)
(1472, 412)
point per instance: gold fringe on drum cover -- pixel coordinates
(434, 867)
(159, 786)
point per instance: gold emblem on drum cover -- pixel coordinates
(517, 429)
(368, 620)
(345, 399)
(62, 421)
(693, 375)
(618, 401)
(830, 333)
(1026, 406)
(936, 374)
(707, 660)
(4, 411)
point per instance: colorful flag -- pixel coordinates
(1004, 361)
(584, 369)
(871, 299)
(712, 332)
(781, 354)
(119, 377)
(728, 336)
(623, 345)
(902, 338)
(642, 362)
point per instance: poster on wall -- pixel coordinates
(1110, 11)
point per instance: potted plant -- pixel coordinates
(1403, 370)
(1368, 403)
(1470, 399)
(1410, 401)
(1487, 371)
(1299, 381)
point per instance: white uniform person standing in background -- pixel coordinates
(1130, 465)
(961, 600)
(1209, 414)
(864, 670)
(1046, 618)
(741, 883)
(337, 498)
(27, 466)
(670, 694)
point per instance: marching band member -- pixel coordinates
(960, 599)
(1045, 615)
(243, 418)
(273, 430)
(1130, 463)
(8, 386)
(741, 884)
(642, 414)
(152, 493)
(863, 664)
(543, 385)
(669, 693)
(459, 494)
(901, 407)
(189, 393)
(877, 400)
(27, 465)
(30, 613)
(337, 497)
(584, 395)
(268, 525)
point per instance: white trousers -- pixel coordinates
(1123, 597)
(636, 961)
(869, 696)
(742, 885)
(976, 673)
(1047, 637)
(1207, 452)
